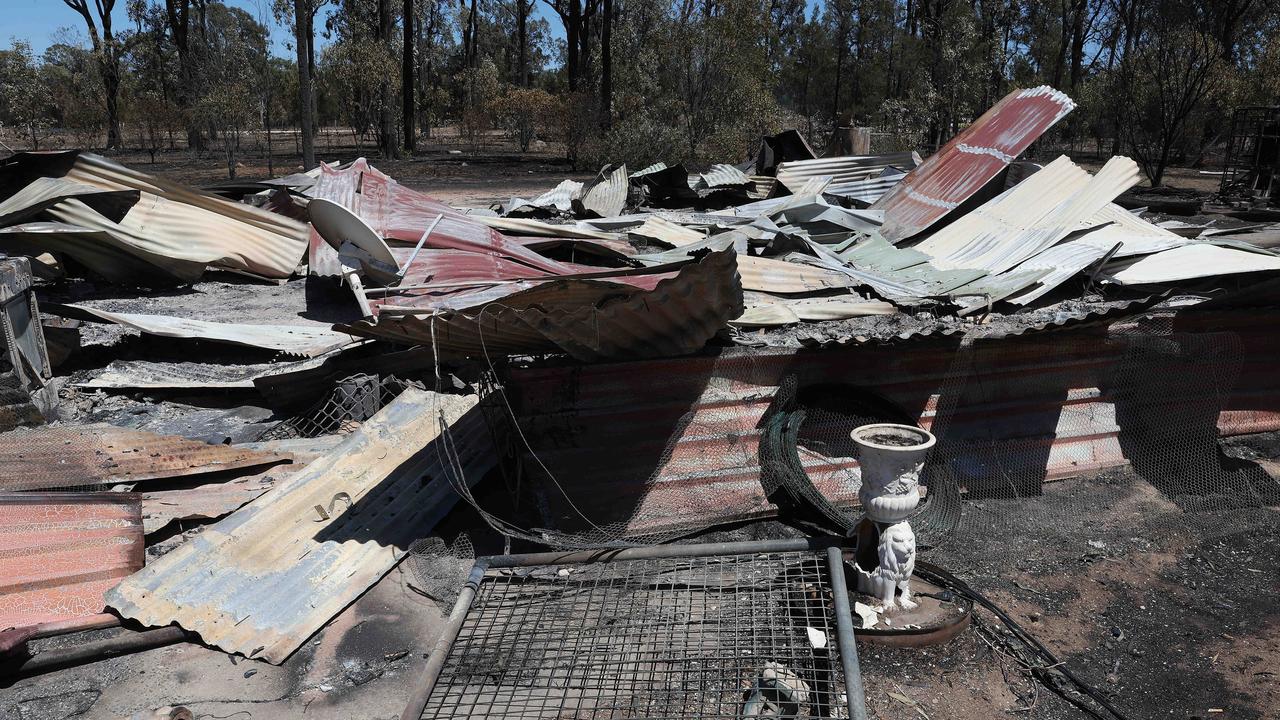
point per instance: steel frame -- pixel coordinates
(830, 547)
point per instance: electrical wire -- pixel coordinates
(944, 578)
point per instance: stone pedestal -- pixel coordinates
(891, 457)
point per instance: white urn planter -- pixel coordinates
(891, 457)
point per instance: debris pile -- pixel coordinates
(230, 417)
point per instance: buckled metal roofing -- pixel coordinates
(171, 228)
(972, 158)
(264, 579)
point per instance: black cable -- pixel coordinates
(939, 576)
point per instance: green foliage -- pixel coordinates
(22, 94)
(523, 112)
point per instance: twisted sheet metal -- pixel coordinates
(1031, 216)
(263, 580)
(472, 290)
(174, 228)
(843, 170)
(721, 176)
(64, 456)
(305, 340)
(672, 313)
(972, 158)
(867, 191)
(1197, 260)
(60, 552)
(607, 195)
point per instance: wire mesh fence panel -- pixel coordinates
(681, 638)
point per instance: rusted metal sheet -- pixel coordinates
(209, 500)
(61, 552)
(1039, 407)
(472, 290)
(264, 579)
(972, 158)
(64, 456)
(307, 340)
(656, 313)
(171, 228)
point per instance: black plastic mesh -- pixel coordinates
(352, 400)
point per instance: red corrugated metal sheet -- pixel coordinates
(957, 171)
(471, 282)
(61, 552)
(1037, 407)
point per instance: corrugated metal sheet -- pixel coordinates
(787, 278)
(172, 227)
(1030, 217)
(305, 340)
(867, 191)
(263, 580)
(722, 176)
(472, 290)
(558, 198)
(665, 231)
(607, 195)
(208, 501)
(673, 313)
(1036, 407)
(63, 456)
(767, 311)
(1194, 261)
(972, 158)
(843, 170)
(61, 552)
(95, 249)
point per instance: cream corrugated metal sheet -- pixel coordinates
(843, 170)
(263, 580)
(767, 311)
(1196, 260)
(1030, 217)
(788, 278)
(171, 226)
(665, 231)
(722, 175)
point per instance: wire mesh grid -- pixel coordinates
(711, 637)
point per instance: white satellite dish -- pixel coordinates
(337, 225)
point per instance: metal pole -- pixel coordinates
(418, 248)
(661, 551)
(111, 647)
(435, 663)
(848, 646)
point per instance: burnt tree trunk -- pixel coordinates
(306, 101)
(408, 87)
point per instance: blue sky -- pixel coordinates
(43, 22)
